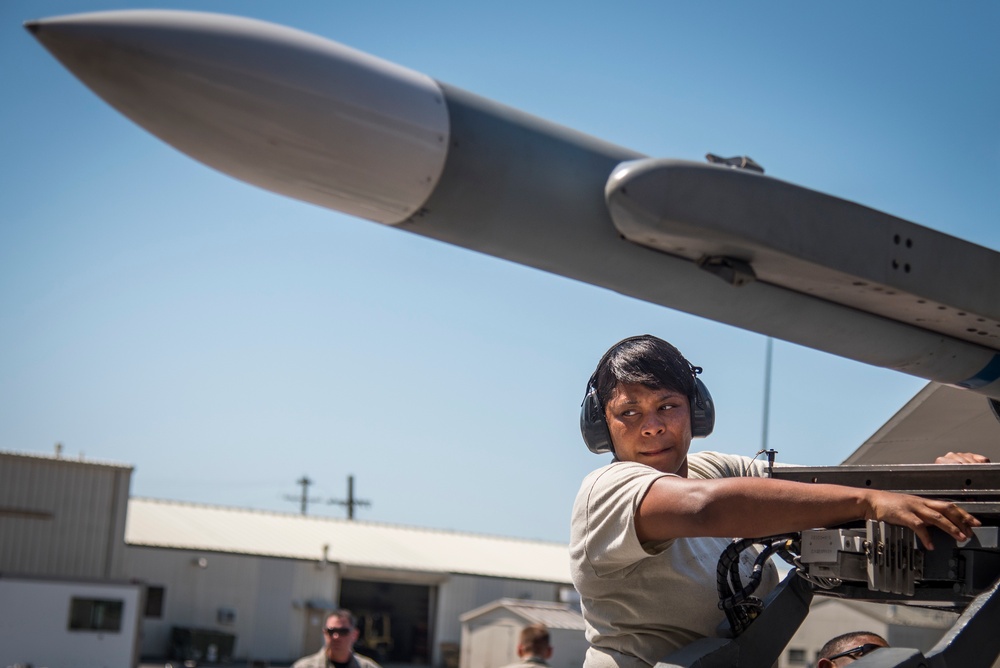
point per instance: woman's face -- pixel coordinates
(650, 426)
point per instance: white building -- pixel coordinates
(48, 622)
(227, 583)
(491, 633)
(269, 578)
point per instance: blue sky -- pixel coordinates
(226, 341)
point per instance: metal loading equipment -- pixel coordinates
(872, 561)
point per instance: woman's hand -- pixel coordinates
(962, 458)
(920, 514)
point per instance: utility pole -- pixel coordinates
(303, 498)
(764, 449)
(767, 393)
(351, 502)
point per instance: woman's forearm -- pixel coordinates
(728, 507)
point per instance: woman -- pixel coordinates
(648, 529)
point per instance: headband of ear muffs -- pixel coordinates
(594, 424)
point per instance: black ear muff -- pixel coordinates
(593, 423)
(702, 411)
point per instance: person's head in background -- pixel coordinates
(848, 648)
(534, 643)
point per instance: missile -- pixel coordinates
(315, 120)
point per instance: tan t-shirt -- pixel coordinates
(643, 601)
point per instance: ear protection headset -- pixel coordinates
(594, 424)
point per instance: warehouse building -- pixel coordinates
(212, 583)
(268, 579)
(65, 598)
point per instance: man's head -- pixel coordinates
(848, 648)
(534, 642)
(340, 635)
(640, 370)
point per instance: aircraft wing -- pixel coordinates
(315, 120)
(938, 419)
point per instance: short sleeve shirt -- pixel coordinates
(642, 601)
(319, 660)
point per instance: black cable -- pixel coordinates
(735, 599)
(771, 452)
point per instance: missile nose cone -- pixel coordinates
(279, 108)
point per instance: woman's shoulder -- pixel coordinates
(617, 476)
(618, 471)
(710, 464)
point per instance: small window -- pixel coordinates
(154, 602)
(796, 656)
(226, 616)
(95, 614)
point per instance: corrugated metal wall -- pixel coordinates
(62, 517)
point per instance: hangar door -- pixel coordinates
(394, 619)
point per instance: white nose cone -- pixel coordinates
(276, 107)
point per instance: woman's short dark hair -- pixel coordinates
(646, 360)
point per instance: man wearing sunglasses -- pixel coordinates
(848, 648)
(340, 634)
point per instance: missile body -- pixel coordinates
(318, 121)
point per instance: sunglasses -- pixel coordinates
(337, 630)
(857, 652)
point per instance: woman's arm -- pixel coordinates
(683, 507)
